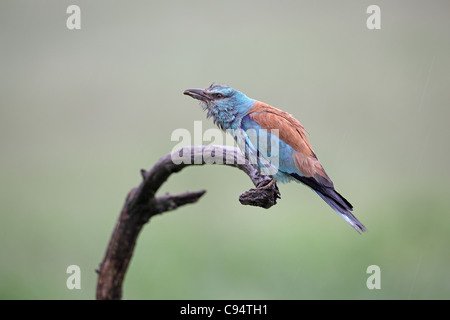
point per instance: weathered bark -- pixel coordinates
(141, 204)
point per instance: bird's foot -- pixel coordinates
(265, 195)
(270, 185)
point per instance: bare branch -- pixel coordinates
(141, 204)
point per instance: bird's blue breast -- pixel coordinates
(268, 145)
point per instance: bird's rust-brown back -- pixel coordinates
(291, 132)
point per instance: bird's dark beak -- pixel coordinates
(198, 94)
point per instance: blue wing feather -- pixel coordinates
(254, 134)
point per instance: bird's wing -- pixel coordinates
(292, 133)
(297, 157)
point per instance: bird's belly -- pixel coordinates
(282, 177)
(281, 161)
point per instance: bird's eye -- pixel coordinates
(218, 95)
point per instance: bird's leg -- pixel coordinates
(269, 185)
(265, 184)
(273, 184)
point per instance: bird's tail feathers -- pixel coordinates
(343, 207)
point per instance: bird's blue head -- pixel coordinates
(226, 105)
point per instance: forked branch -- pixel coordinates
(142, 203)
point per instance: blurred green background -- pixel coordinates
(83, 111)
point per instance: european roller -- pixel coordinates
(256, 123)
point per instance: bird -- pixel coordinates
(256, 122)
